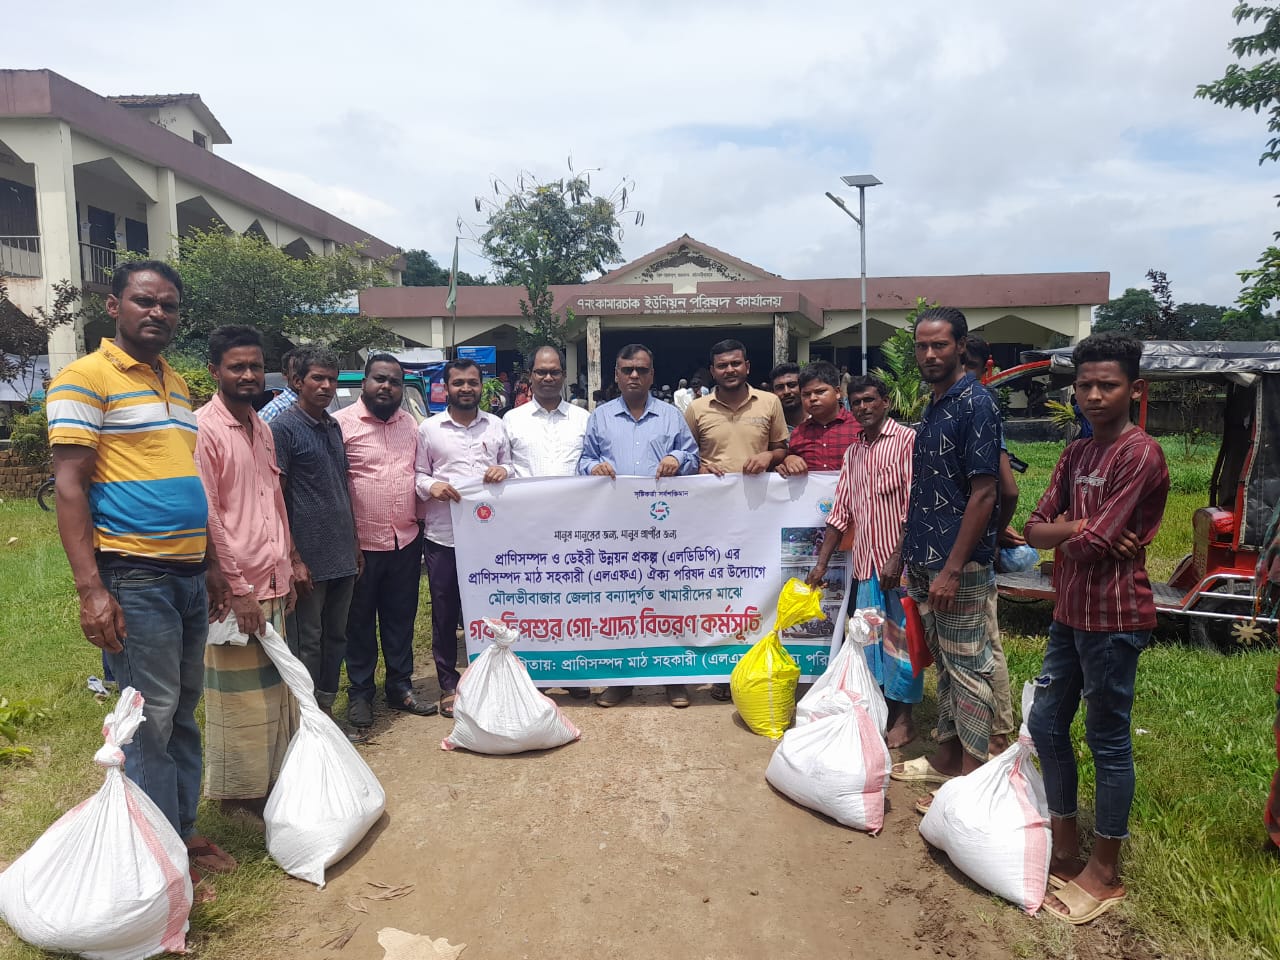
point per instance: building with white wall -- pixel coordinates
(83, 176)
(686, 295)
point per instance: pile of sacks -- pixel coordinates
(835, 760)
(992, 823)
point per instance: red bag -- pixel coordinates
(917, 648)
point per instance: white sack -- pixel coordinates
(994, 822)
(837, 764)
(847, 676)
(326, 797)
(498, 708)
(109, 879)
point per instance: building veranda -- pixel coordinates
(687, 295)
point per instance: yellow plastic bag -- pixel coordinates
(764, 681)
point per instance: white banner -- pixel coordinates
(644, 581)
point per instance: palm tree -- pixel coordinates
(902, 376)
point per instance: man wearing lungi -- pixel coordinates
(949, 545)
(250, 715)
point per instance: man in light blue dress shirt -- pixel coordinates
(637, 435)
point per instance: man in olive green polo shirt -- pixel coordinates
(738, 429)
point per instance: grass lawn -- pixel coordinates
(1200, 887)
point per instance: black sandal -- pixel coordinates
(411, 704)
(446, 704)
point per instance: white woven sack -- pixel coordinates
(837, 764)
(994, 822)
(326, 797)
(109, 879)
(849, 675)
(498, 709)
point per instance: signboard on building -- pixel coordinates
(486, 358)
(684, 304)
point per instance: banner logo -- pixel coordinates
(659, 510)
(484, 512)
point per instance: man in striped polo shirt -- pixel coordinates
(132, 517)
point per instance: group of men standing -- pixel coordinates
(316, 525)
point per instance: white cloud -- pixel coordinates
(1011, 136)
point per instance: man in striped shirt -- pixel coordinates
(871, 505)
(1102, 508)
(133, 517)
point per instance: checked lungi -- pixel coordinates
(249, 716)
(961, 649)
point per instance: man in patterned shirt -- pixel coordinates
(949, 545)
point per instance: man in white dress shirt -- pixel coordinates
(546, 435)
(462, 444)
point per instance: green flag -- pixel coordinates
(451, 301)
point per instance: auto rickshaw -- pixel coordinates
(1213, 586)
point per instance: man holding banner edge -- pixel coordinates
(637, 435)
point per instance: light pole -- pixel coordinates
(861, 181)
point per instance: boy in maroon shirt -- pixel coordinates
(1103, 506)
(819, 442)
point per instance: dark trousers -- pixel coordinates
(446, 610)
(317, 634)
(385, 602)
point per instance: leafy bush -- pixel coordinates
(29, 440)
(196, 372)
(12, 717)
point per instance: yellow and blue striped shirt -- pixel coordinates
(145, 495)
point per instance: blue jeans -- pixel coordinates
(167, 620)
(1100, 668)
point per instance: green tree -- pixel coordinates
(1134, 310)
(229, 278)
(1255, 88)
(900, 373)
(544, 233)
(1152, 315)
(422, 270)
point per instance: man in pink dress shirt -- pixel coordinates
(381, 440)
(249, 712)
(462, 444)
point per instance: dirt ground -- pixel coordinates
(655, 835)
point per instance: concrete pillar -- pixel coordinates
(571, 366)
(781, 352)
(437, 333)
(50, 152)
(1084, 323)
(162, 217)
(802, 350)
(593, 360)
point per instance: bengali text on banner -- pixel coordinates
(644, 581)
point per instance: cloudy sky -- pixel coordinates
(1010, 136)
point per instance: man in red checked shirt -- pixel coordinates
(819, 442)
